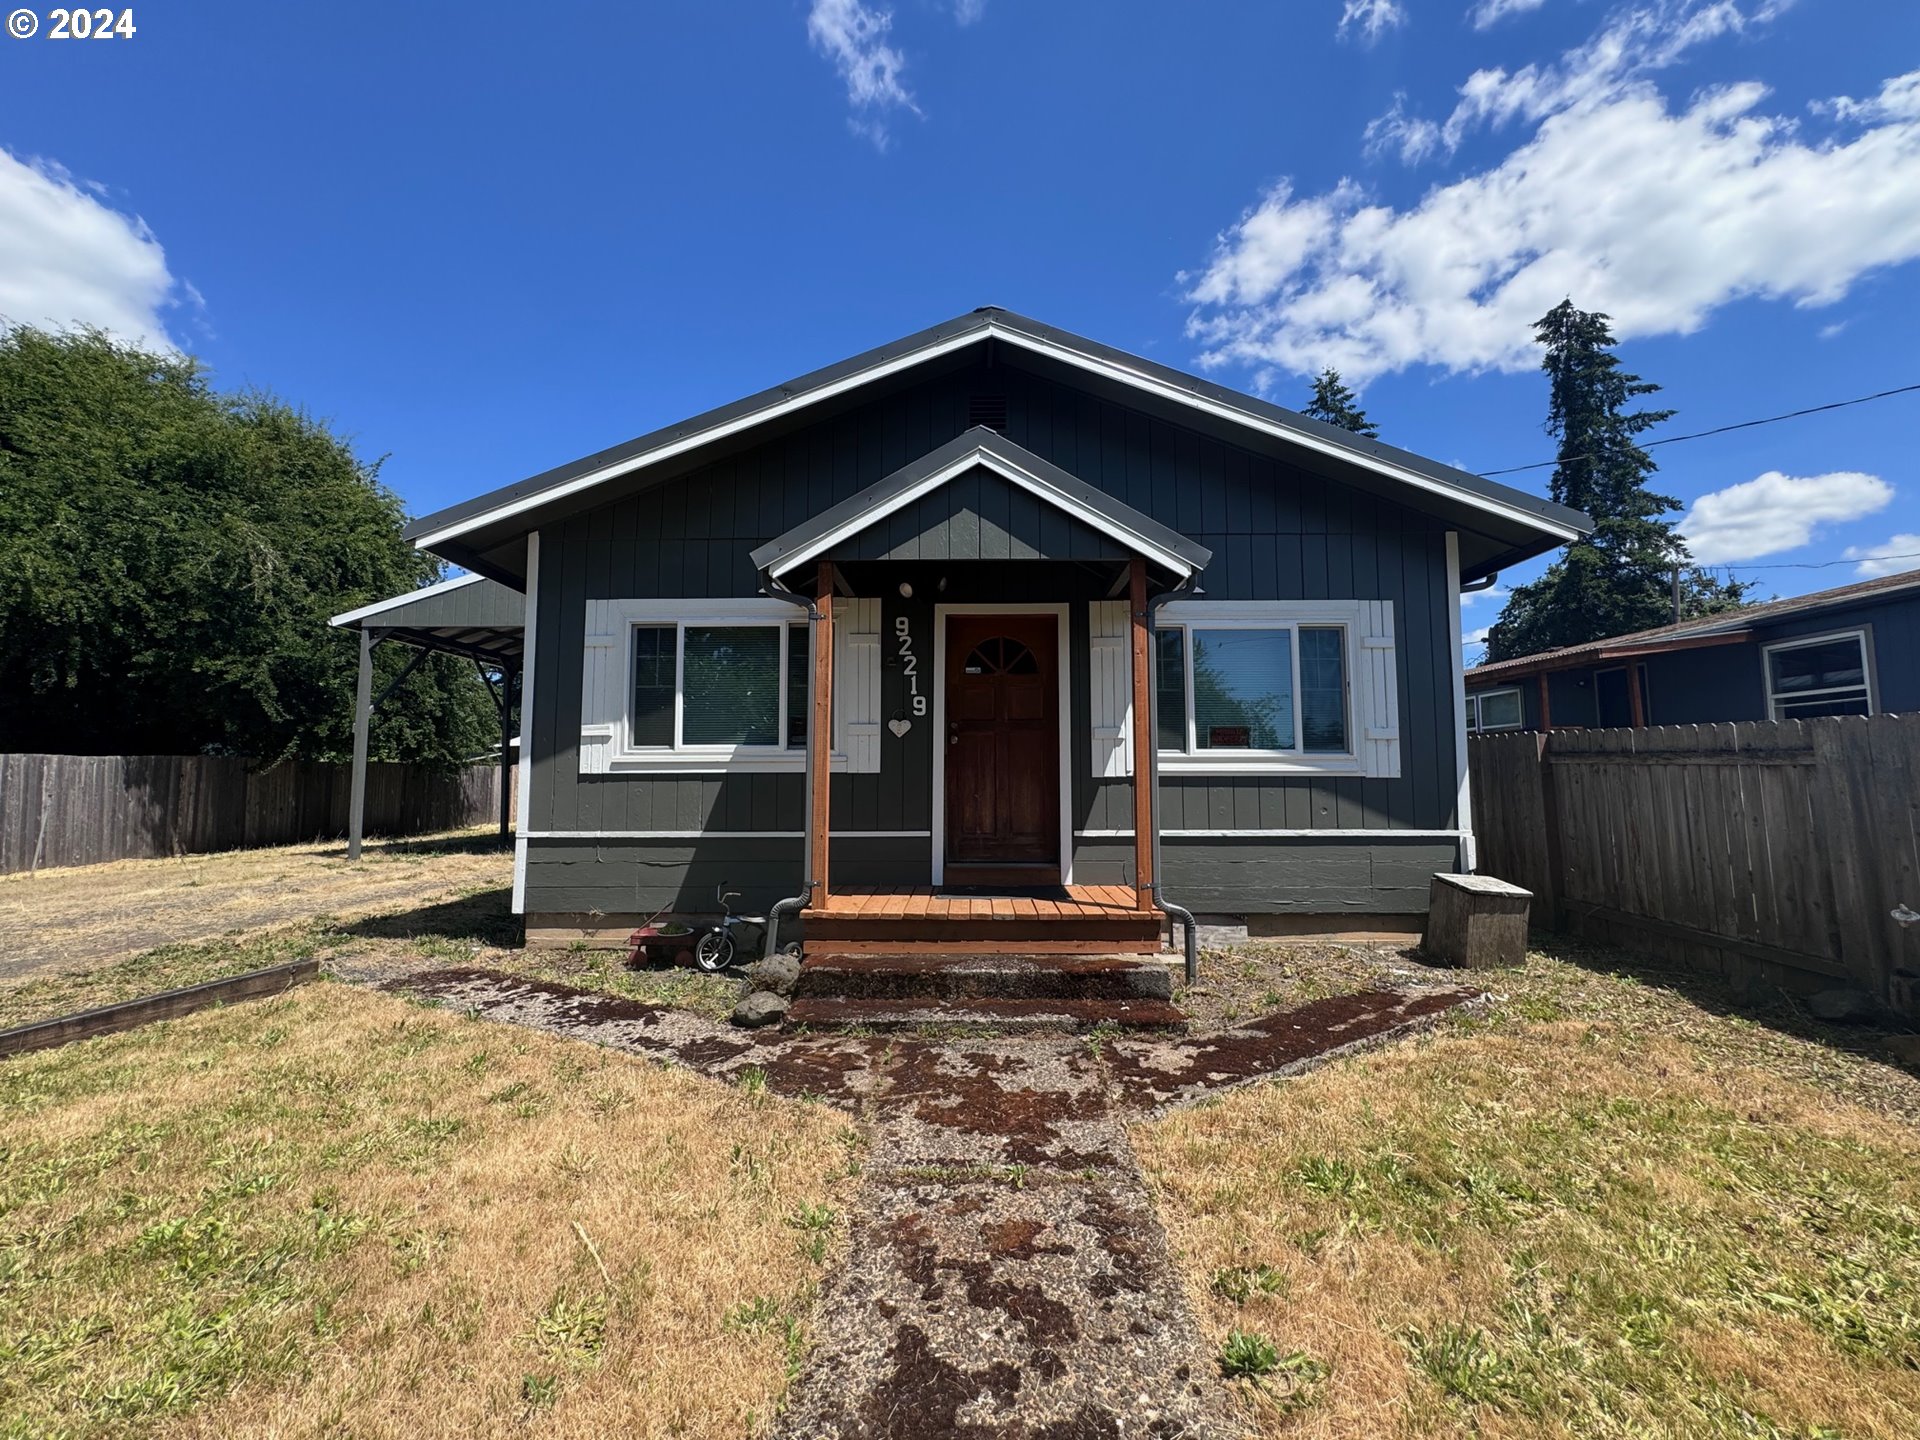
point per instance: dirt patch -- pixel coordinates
(93, 915)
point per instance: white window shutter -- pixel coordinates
(1109, 628)
(602, 675)
(856, 683)
(1377, 691)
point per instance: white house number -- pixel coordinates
(909, 665)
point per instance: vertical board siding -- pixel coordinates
(60, 810)
(1770, 853)
(1276, 532)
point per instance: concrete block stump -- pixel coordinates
(1476, 921)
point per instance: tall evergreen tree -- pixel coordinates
(1334, 403)
(1619, 579)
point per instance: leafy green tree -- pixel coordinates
(1620, 578)
(169, 556)
(1334, 403)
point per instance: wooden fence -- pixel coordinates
(1773, 854)
(82, 809)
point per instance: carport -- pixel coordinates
(472, 616)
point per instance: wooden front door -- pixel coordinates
(1003, 749)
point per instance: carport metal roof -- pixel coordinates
(471, 616)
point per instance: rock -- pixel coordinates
(778, 973)
(762, 1007)
(1844, 1007)
(1903, 1048)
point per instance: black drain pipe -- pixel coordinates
(770, 585)
(1187, 587)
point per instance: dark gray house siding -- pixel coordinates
(1276, 532)
(1723, 683)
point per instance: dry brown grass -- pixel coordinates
(92, 915)
(1548, 1228)
(339, 1213)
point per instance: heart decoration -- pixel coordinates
(899, 727)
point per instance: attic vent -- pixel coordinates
(988, 410)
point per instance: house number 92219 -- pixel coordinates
(909, 666)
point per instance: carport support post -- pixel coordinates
(362, 715)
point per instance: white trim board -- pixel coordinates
(1456, 650)
(1063, 663)
(524, 777)
(381, 606)
(721, 834)
(990, 330)
(1276, 834)
(1014, 475)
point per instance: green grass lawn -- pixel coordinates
(1596, 1208)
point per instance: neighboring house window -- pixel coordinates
(1238, 687)
(1820, 675)
(1494, 710)
(718, 687)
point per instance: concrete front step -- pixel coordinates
(840, 1012)
(937, 978)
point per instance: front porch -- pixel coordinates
(919, 920)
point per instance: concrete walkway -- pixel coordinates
(1006, 1275)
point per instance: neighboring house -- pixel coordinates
(1007, 520)
(1850, 651)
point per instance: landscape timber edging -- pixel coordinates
(167, 1005)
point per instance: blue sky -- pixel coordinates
(484, 239)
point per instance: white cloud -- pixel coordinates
(1370, 18)
(966, 12)
(854, 37)
(1492, 595)
(1832, 332)
(1900, 553)
(1492, 12)
(1656, 217)
(1632, 45)
(67, 259)
(1775, 512)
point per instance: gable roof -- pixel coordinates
(988, 449)
(1517, 523)
(1730, 625)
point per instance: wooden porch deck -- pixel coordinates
(1072, 919)
(1069, 902)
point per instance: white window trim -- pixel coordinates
(1863, 635)
(1473, 706)
(1346, 615)
(628, 759)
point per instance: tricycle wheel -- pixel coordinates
(714, 952)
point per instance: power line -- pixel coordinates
(1814, 564)
(1723, 429)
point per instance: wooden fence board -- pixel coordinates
(1770, 852)
(58, 810)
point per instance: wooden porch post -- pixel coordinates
(1546, 706)
(1143, 738)
(1636, 700)
(821, 760)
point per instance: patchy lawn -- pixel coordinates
(1600, 1207)
(94, 915)
(338, 1212)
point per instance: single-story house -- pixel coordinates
(934, 618)
(1850, 651)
